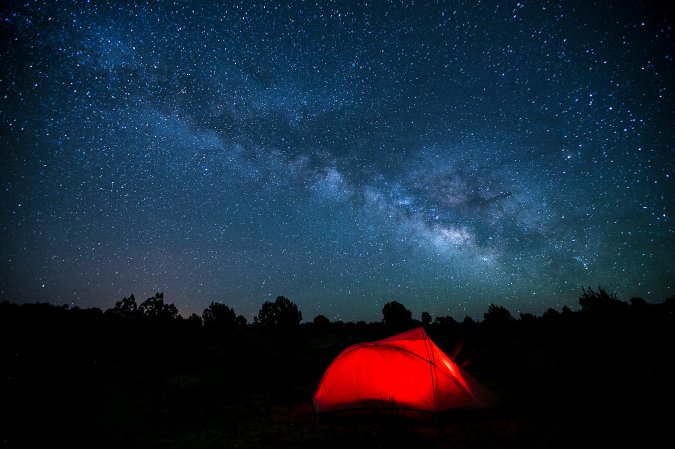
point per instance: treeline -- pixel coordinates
(138, 371)
(283, 314)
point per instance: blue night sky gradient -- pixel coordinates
(446, 155)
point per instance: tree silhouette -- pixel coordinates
(321, 320)
(195, 320)
(126, 308)
(497, 314)
(221, 318)
(636, 301)
(395, 314)
(282, 313)
(600, 302)
(426, 318)
(267, 315)
(551, 314)
(445, 320)
(527, 317)
(155, 308)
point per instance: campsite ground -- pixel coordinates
(562, 383)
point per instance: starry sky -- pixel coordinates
(446, 155)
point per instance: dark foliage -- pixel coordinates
(219, 318)
(497, 315)
(396, 315)
(84, 378)
(125, 309)
(195, 320)
(155, 308)
(600, 302)
(321, 320)
(445, 320)
(281, 314)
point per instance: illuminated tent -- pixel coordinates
(406, 372)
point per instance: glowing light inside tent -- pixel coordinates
(398, 373)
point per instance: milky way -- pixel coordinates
(446, 155)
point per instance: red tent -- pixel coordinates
(404, 372)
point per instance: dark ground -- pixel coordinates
(80, 379)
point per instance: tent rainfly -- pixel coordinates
(405, 372)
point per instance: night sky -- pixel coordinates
(446, 155)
